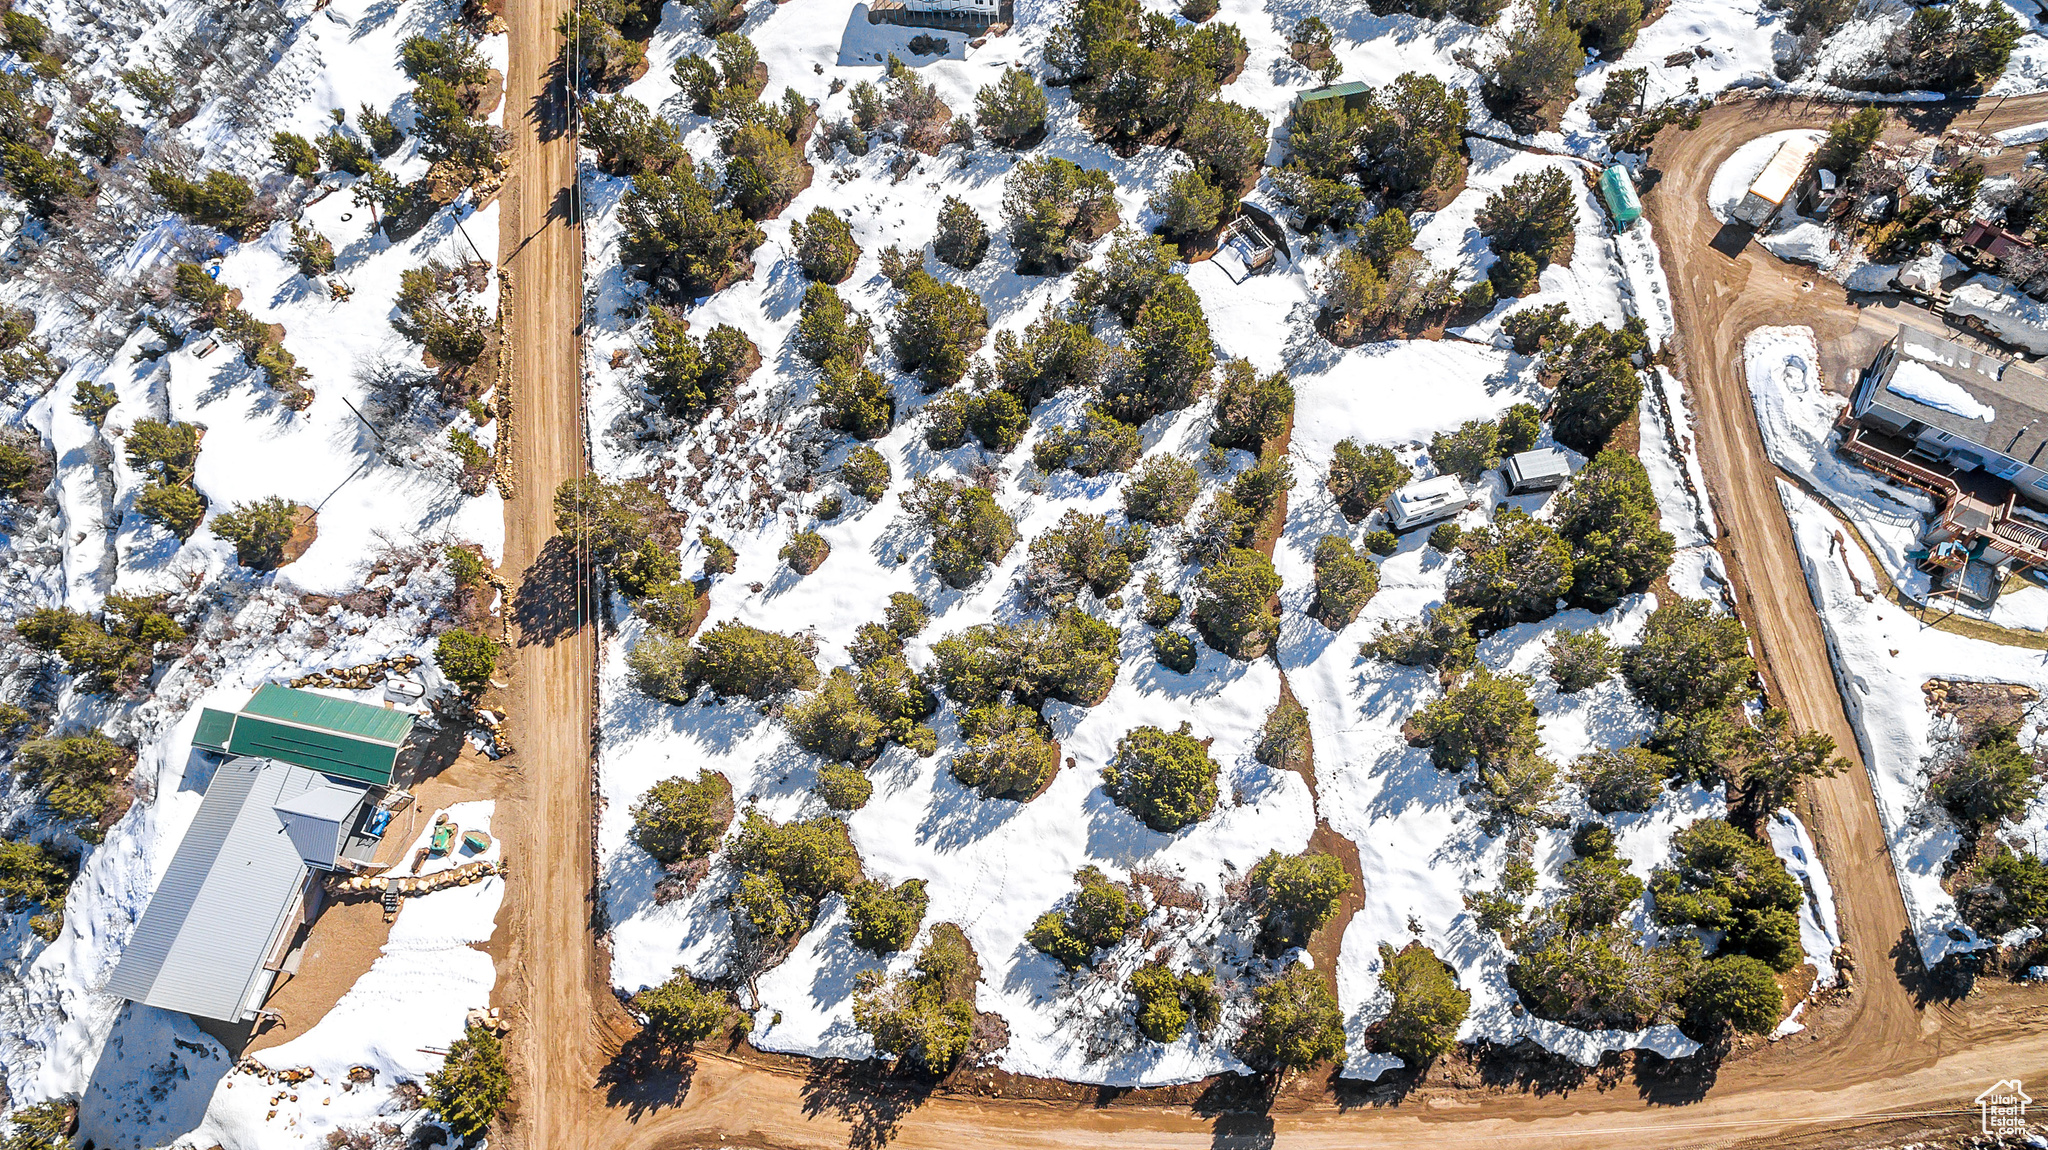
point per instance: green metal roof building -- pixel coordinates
(345, 739)
(1354, 93)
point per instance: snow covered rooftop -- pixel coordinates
(1776, 181)
(232, 886)
(1971, 396)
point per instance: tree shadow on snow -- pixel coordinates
(1528, 1068)
(865, 1096)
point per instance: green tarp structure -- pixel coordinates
(1620, 193)
(1354, 94)
(338, 737)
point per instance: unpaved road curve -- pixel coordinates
(1892, 1072)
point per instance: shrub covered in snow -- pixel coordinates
(1251, 411)
(1083, 551)
(1168, 1000)
(1054, 209)
(1100, 914)
(736, 659)
(1175, 651)
(1690, 659)
(866, 473)
(805, 552)
(1161, 490)
(1345, 582)
(1425, 1004)
(1361, 478)
(844, 787)
(628, 138)
(825, 248)
(936, 329)
(691, 378)
(675, 227)
(882, 919)
(828, 328)
(682, 1011)
(1072, 658)
(962, 239)
(1165, 778)
(680, 819)
(1100, 445)
(1722, 879)
(1235, 612)
(1161, 606)
(1621, 778)
(1441, 639)
(851, 717)
(1513, 571)
(1298, 1023)
(1610, 518)
(1580, 659)
(1986, 778)
(1012, 110)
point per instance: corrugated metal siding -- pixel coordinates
(344, 715)
(326, 751)
(231, 885)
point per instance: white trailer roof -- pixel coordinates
(1775, 182)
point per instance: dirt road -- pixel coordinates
(557, 989)
(1892, 1071)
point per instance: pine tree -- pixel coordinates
(1011, 110)
(824, 246)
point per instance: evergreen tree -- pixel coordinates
(1345, 582)
(963, 235)
(472, 1085)
(1011, 110)
(936, 330)
(824, 246)
(1298, 1023)
(1227, 144)
(1165, 778)
(1427, 1006)
(1487, 720)
(674, 227)
(259, 531)
(628, 138)
(1361, 478)
(1235, 613)
(1535, 214)
(1054, 210)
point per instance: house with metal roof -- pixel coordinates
(213, 938)
(339, 737)
(1971, 430)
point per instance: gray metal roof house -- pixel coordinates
(1969, 429)
(210, 941)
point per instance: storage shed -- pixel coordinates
(1355, 95)
(1542, 469)
(1427, 502)
(1775, 185)
(339, 737)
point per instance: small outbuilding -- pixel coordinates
(1354, 95)
(1620, 193)
(1777, 184)
(339, 737)
(1427, 501)
(1543, 469)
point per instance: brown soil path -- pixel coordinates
(553, 977)
(1891, 1070)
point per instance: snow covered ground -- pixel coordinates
(145, 1076)
(992, 867)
